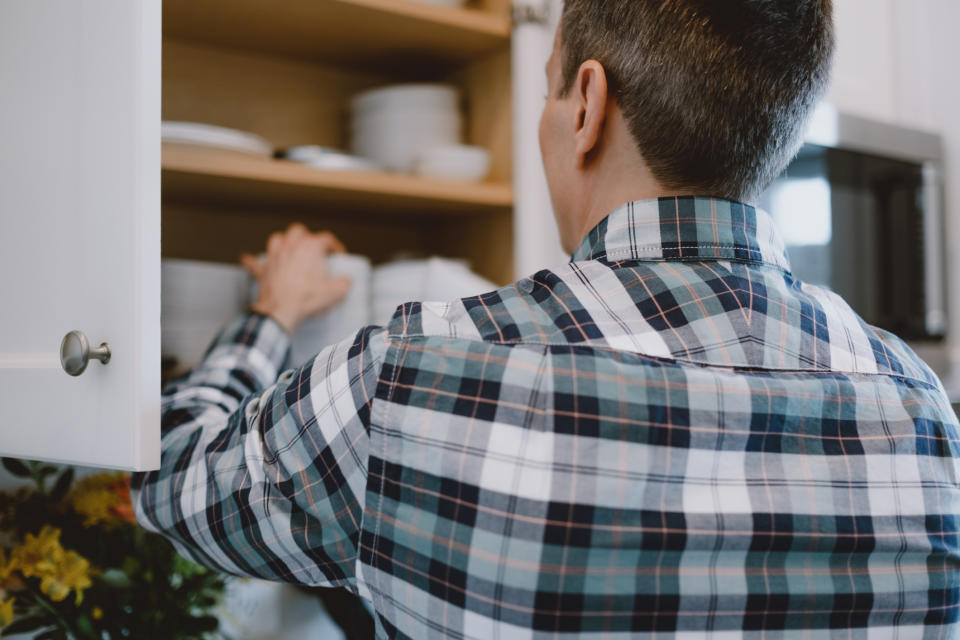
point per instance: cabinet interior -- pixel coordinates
(216, 205)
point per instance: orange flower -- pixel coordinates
(103, 498)
(123, 509)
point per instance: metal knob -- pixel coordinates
(75, 353)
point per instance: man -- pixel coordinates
(668, 434)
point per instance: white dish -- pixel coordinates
(452, 279)
(197, 299)
(351, 315)
(415, 97)
(399, 148)
(395, 283)
(435, 279)
(454, 162)
(208, 135)
(450, 123)
(328, 158)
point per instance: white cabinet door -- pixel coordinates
(80, 228)
(863, 78)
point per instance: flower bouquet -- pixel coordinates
(74, 564)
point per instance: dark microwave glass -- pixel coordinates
(854, 222)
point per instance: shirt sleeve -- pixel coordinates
(260, 476)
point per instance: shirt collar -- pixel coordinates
(685, 228)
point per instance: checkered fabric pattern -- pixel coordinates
(670, 435)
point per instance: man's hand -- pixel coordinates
(294, 283)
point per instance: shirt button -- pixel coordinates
(287, 375)
(252, 407)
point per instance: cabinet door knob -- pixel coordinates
(75, 353)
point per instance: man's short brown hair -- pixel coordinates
(715, 92)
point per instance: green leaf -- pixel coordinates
(16, 467)
(85, 627)
(62, 486)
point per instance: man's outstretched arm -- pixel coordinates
(260, 475)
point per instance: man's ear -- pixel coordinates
(591, 96)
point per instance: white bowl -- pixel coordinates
(416, 97)
(454, 162)
(397, 148)
(421, 119)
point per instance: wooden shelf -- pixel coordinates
(198, 176)
(356, 32)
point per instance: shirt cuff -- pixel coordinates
(256, 338)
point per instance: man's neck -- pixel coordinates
(608, 197)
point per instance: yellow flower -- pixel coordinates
(72, 573)
(6, 612)
(60, 571)
(38, 555)
(97, 613)
(100, 497)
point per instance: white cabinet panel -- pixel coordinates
(862, 80)
(80, 228)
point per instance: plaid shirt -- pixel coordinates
(670, 433)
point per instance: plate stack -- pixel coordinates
(197, 299)
(198, 134)
(436, 279)
(394, 125)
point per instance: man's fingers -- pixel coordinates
(296, 230)
(330, 242)
(274, 243)
(252, 264)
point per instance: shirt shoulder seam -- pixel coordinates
(673, 360)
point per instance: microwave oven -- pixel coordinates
(861, 211)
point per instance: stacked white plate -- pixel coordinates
(394, 125)
(212, 136)
(197, 299)
(200, 298)
(436, 279)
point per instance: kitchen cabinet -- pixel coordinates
(80, 228)
(886, 59)
(90, 200)
(863, 78)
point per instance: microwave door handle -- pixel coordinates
(933, 240)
